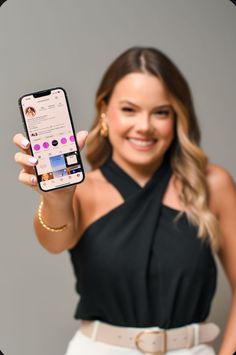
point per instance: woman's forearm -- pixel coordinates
(56, 214)
(228, 345)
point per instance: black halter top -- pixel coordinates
(136, 267)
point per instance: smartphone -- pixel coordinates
(48, 124)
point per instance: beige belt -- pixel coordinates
(152, 340)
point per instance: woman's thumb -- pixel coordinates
(81, 138)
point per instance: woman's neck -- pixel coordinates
(138, 172)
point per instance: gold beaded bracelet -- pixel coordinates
(44, 225)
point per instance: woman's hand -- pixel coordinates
(28, 162)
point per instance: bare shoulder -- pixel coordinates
(96, 196)
(218, 177)
(221, 186)
(87, 197)
(93, 181)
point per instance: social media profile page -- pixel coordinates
(52, 139)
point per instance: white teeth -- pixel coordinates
(141, 143)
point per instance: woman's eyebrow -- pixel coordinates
(127, 102)
(164, 105)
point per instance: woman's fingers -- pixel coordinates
(23, 157)
(81, 138)
(27, 179)
(21, 142)
(25, 160)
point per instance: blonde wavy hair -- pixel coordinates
(188, 160)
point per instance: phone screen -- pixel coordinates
(51, 133)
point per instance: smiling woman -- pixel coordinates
(143, 227)
(137, 85)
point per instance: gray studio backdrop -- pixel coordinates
(70, 43)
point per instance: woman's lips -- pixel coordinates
(142, 144)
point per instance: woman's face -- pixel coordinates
(45, 177)
(140, 121)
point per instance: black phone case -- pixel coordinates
(28, 136)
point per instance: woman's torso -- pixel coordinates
(98, 199)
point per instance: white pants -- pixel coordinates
(83, 345)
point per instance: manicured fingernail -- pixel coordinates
(33, 179)
(24, 142)
(32, 160)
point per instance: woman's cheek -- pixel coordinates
(118, 122)
(166, 129)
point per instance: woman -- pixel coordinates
(30, 112)
(142, 228)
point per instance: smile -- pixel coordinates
(142, 143)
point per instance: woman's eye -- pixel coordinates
(163, 113)
(127, 109)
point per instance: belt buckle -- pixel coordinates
(149, 331)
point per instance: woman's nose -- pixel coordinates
(144, 123)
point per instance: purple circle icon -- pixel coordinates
(72, 138)
(36, 147)
(45, 145)
(63, 140)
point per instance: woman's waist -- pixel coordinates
(150, 339)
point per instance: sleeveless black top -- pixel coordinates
(135, 267)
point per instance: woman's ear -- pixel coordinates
(103, 108)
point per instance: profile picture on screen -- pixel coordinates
(30, 112)
(45, 177)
